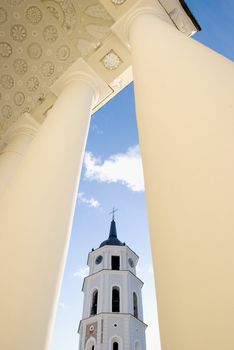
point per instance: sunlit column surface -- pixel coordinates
(184, 99)
(36, 215)
(18, 139)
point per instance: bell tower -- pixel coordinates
(112, 311)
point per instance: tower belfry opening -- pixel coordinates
(115, 262)
(112, 298)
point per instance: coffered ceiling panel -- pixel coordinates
(39, 40)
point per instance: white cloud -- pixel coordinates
(82, 272)
(125, 168)
(91, 202)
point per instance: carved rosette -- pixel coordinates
(39, 40)
(47, 69)
(111, 60)
(20, 66)
(32, 83)
(6, 81)
(18, 32)
(50, 33)
(7, 111)
(33, 15)
(5, 49)
(19, 98)
(34, 51)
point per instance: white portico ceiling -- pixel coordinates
(40, 39)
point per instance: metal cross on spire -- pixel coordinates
(113, 213)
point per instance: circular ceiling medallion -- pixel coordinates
(5, 49)
(34, 51)
(7, 81)
(19, 98)
(33, 15)
(18, 32)
(50, 33)
(32, 83)
(7, 111)
(20, 66)
(55, 10)
(47, 69)
(63, 53)
(111, 60)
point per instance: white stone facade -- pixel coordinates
(106, 322)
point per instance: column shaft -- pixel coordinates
(19, 137)
(36, 215)
(184, 99)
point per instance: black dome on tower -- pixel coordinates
(112, 240)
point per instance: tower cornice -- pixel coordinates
(100, 249)
(101, 314)
(112, 272)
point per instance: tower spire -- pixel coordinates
(112, 239)
(113, 231)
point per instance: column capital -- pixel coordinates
(25, 125)
(171, 11)
(80, 71)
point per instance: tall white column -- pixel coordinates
(184, 99)
(36, 214)
(18, 139)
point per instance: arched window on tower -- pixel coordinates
(115, 299)
(93, 347)
(115, 346)
(135, 306)
(94, 303)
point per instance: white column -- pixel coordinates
(36, 215)
(184, 99)
(18, 139)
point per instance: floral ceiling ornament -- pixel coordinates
(50, 33)
(111, 60)
(20, 66)
(63, 52)
(19, 98)
(47, 69)
(64, 12)
(33, 15)
(32, 83)
(7, 81)
(18, 32)
(7, 111)
(5, 49)
(34, 51)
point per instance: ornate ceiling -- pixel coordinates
(39, 40)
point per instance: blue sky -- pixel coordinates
(112, 143)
